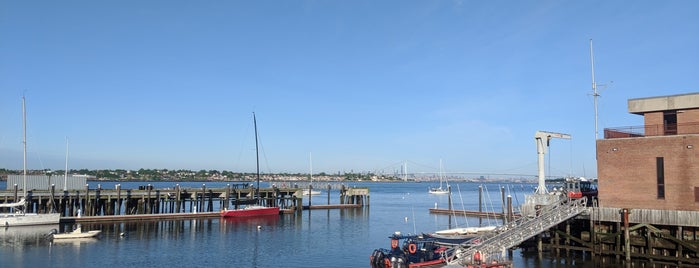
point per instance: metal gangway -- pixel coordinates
(516, 232)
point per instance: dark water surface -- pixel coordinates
(317, 238)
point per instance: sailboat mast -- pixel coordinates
(257, 157)
(24, 145)
(65, 175)
(594, 87)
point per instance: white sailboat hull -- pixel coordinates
(27, 219)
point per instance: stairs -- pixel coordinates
(516, 232)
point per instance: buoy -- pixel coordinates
(406, 219)
(259, 227)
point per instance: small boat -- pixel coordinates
(250, 211)
(77, 233)
(415, 251)
(440, 190)
(256, 209)
(312, 192)
(466, 231)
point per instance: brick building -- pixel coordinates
(654, 166)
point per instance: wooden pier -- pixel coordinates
(147, 202)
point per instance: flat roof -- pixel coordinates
(664, 103)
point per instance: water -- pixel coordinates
(317, 238)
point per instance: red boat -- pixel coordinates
(250, 211)
(257, 209)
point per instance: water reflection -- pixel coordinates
(19, 237)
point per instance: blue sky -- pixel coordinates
(362, 85)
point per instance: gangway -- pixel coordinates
(516, 232)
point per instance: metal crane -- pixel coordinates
(540, 136)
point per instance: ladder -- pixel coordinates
(516, 232)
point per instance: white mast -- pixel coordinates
(310, 160)
(594, 88)
(65, 176)
(24, 144)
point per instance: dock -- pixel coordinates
(149, 203)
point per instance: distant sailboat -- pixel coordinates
(20, 218)
(310, 191)
(257, 209)
(440, 190)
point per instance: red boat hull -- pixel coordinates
(250, 212)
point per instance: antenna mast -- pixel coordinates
(594, 88)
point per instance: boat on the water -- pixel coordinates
(440, 190)
(18, 215)
(257, 209)
(76, 234)
(466, 230)
(415, 251)
(312, 192)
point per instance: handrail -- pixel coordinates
(652, 130)
(518, 231)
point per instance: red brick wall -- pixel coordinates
(688, 121)
(653, 122)
(626, 169)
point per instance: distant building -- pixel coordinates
(44, 182)
(654, 166)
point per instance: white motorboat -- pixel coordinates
(77, 233)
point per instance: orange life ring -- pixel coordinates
(412, 248)
(394, 243)
(387, 263)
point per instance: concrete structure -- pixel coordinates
(654, 166)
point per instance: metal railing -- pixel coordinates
(512, 234)
(652, 130)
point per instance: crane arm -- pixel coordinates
(539, 136)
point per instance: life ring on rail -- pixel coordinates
(394, 243)
(387, 263)
(412, 248)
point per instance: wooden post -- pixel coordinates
(157, 201)
(86, 210)
(228, 196)
(510, 217)
(502, 196)
(329, 193)
(148, 201)
(51, 200)
(98, 203)
(480, 205)
(627, 242)
(210, 206)
(567, 239)
(118, 209)
(203, 196)
(178, 198)
(343, 192)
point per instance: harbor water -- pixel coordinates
(312, 238)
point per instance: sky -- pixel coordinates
(336, 86)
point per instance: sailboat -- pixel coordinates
(19, 217)
(440, 190)
(256, 209)
(310, 191)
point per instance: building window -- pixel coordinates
(660, 167)
(696, 194)
(670, 122)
